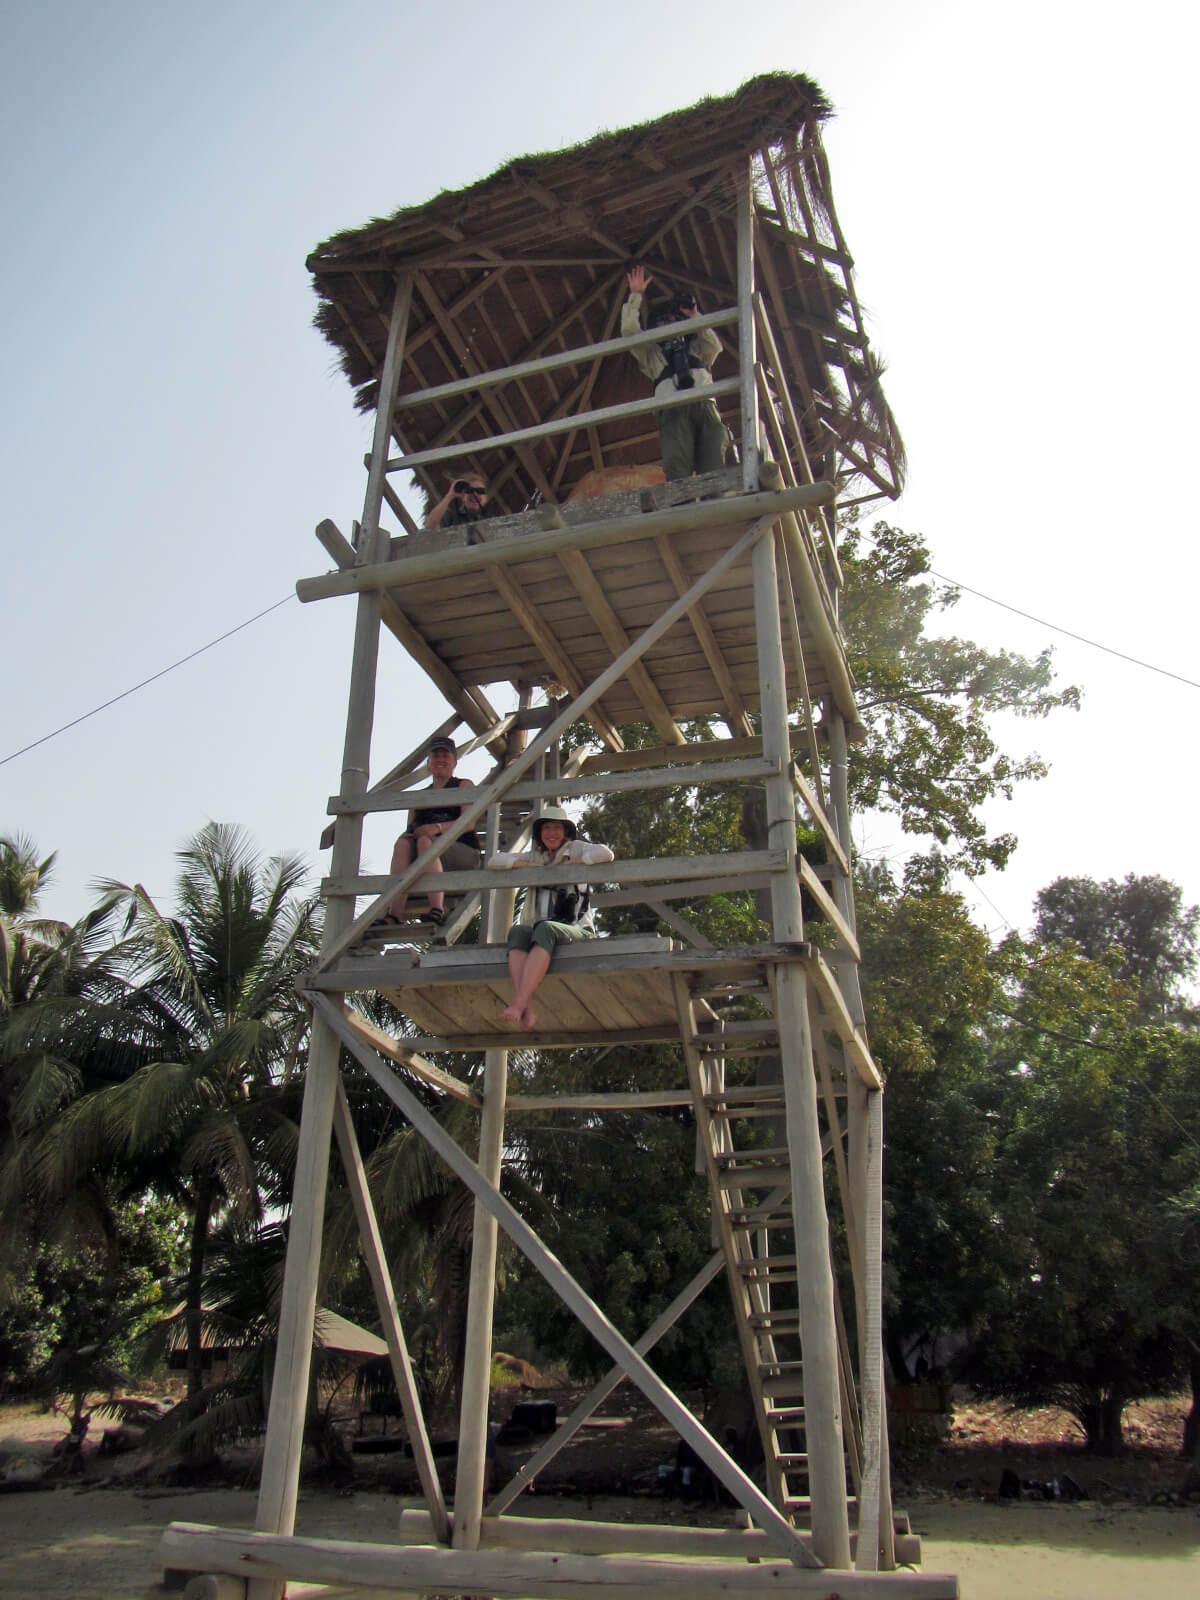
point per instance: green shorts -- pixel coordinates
(546, 934)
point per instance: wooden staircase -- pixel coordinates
(742, 1140)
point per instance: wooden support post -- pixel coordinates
(748, 377)
(481, 1290)
(280, 1478)
(864, 1115)
(375, 1258)
(822, 1411)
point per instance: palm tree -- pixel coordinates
(60, 987)
(207, 1116)
(22, 875)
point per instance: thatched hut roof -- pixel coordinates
(533, 259)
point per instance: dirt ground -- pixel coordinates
(97, 1539)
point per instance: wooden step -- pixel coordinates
(785, 1416)
(727, 1158)
(775, 1321)
(769, 1267)
(792, 1462)
(778, 1215)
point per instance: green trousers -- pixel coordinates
(694, 439)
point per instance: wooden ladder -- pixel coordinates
(749, 1176)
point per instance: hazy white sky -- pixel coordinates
(1013, 183)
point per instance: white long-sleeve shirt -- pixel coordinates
(576, 852)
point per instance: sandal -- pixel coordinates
(435, 914)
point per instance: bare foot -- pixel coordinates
(529, 1019)
(512, 1015)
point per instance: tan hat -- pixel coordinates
(553, 814)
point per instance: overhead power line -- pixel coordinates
(941, 577)
(1054, 628)
(153, 678)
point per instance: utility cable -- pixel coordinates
(1054, 627)
(153, 678)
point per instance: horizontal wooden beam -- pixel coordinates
(661, 872)
(542, 1039)
(635, 1100)
(576, 1537)
(564, 358)
(488, 965)
(538, 1574)
(527, 543)
(682, 890)
(673, 755)
(566, 788)
(556, 425)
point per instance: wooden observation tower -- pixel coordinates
(483, 330)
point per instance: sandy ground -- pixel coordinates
(92, 1543)
(102, 1544)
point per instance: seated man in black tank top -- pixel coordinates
(426, 825)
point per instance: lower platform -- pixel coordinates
(593, 989)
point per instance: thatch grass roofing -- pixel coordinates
(533, 258)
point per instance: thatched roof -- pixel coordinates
(533, 259)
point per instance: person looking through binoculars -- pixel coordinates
(694, 439)
(466, 500)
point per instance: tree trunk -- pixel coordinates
(194, 1304)
(1191, 1423)
(1101, 1418)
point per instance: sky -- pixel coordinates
(1012, 182)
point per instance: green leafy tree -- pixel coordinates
(926, 700)
(1142, 922)
(1100, 1135)
(928, 987)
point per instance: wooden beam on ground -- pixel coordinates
(540, 1575)
(576, 1537)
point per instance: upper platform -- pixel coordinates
(531, 262)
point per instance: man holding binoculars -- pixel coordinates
(466, 500)
(694, 439)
